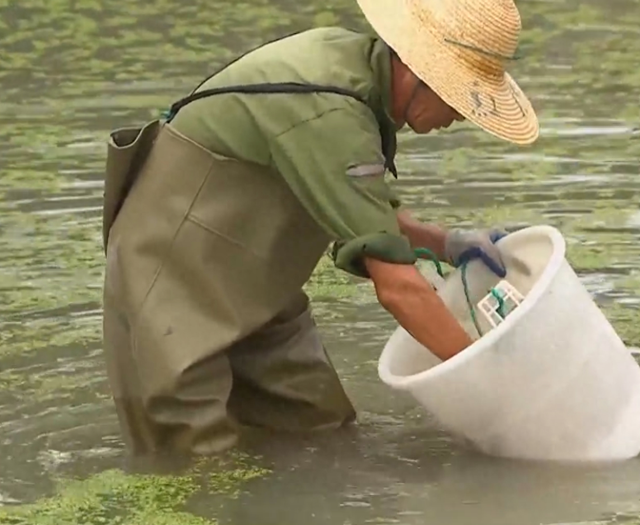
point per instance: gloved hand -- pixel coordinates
(461, 246)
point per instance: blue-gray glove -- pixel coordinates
(461, 246)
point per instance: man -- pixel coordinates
(232, 200)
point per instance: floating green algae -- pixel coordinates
(74, 69)
(329, 283)
(114, 497)
(624, 319)
(111, 498)
(227, 475)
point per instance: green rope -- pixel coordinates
(472, 310)
(499, 297)
(425, 253)
(428, 254)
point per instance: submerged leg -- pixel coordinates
(283, 378)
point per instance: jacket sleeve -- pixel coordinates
(335, 166)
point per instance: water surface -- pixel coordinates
(73, 70)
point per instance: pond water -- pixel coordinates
(72, 70)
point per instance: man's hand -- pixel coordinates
(462, 246)
(409, 297)
(455, 246)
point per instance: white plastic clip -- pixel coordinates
(500, 302)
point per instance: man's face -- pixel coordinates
(427, 111)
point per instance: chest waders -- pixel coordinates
(129, 147)
(192, 342)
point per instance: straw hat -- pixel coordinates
(459, 48)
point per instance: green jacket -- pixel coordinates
(327, 147)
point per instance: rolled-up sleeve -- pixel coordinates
(335, 166)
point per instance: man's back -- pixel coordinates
(242, 126)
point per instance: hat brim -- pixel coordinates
(495, 104)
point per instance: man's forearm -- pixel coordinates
(425, 316)
(409, 298)
(422, 235)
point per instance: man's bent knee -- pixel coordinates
(284, 379)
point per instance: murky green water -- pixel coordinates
(72, 70)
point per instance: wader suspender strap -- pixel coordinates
(388, 139)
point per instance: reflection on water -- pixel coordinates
(74, 70)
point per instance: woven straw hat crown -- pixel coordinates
(461, 49)
(486, 32)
